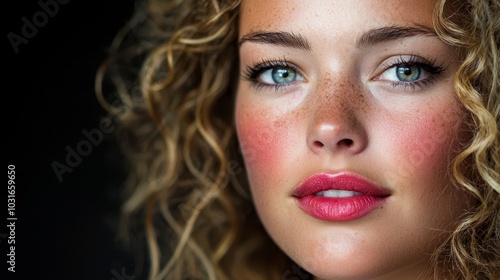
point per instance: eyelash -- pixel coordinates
(252, 73)
(433, 71)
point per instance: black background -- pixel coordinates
(64, 230)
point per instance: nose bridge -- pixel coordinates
(334, 99)
(335, 124)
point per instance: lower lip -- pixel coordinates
(339, 209)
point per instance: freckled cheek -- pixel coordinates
(427, 146)
(260, 142)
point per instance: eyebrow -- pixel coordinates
(368, 38)
(391, 33)
(285, 39)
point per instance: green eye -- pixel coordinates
(273, 74)
(279, 75)
(408, 73)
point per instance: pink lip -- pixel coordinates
(339, 209)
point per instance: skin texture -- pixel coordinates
(345, 114)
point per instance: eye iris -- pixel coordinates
(408, 73)
(283, 75)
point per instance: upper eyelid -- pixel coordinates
(410, 59)
(252, 71)
(270, 64)
(407, 59)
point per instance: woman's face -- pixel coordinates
(348, 122)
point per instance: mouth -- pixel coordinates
(339, 196)
(337, 193)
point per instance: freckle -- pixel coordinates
(343, 95)
(279, 123)
(297, 114)
(359, 101)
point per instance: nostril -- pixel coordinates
(343, 142)
(318, 144)
(346, 142)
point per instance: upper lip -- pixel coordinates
(338, 181)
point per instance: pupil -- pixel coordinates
(283, 75)
(407, 71)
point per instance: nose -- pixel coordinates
(336, 126)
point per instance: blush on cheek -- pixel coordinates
(257, 141)
(431, 143)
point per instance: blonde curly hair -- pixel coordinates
(172, 70)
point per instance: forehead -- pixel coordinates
(333, 15)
